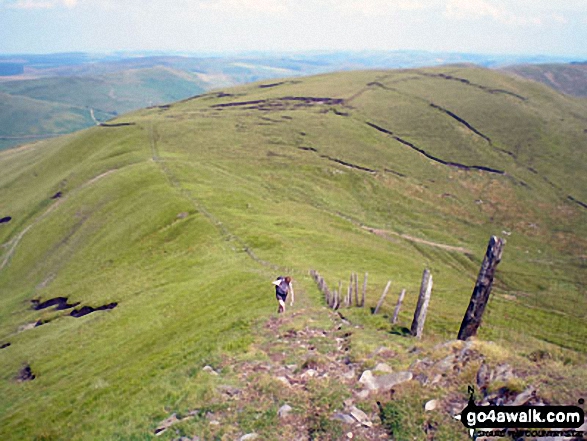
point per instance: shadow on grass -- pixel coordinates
(400, 330)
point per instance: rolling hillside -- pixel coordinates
(161, 232)
(24, 119)
(57, 105)
(566, 78)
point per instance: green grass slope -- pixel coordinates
(566, 78)
(183, 214)
(57, 105)
(23, 119)
(117, 92)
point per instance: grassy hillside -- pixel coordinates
(57, 105)
(182, 215)
(23, 119)
(117, 92)
(566, 78)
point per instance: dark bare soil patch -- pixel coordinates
(60, 302)
(576, 201)
(85, 310)
(283, 103)
(5, 220)
(25, 374)
(434, 158)
(478, 86)
(117, 124)
(460, 120)
(266, 86)
(348, 164)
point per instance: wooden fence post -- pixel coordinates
(480, 296)
(364, 290)
(380, 302)
(422, 306)
(356, 289)
(398, 306)
(349, 297)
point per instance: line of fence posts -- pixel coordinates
(471, 320)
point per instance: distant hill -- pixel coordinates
(57, 105)
(136, 259)
(23, 119)
(112, 84)
(566, 78)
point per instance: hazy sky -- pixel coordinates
(556, 27)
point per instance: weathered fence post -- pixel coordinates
(356, 276)
(480, 296)
(398, 306)
(380, 302)
(349, 297)
(364, 290)
(422, 306)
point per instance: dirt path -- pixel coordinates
(386, 235)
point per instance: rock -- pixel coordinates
(360, 416)
(28, 326)
(391, 380)
(372, 382)
(165, 424)
(210, 370)
(349, 375)
(349, 435)
(483, 376)
(368, 379)
(431, 405)
(229, 390)
(446, 363)
(362, 395)
(524, 397)
(503, 373)
(284, 380)
(309, 373)
(248, 436)
(383, 367)
(347, 419)
(284, 411)
(348, 402)
(182, 215)
(214, 423)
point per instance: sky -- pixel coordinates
(535, 27)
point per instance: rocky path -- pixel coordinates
(301, 380)
(298, 383)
